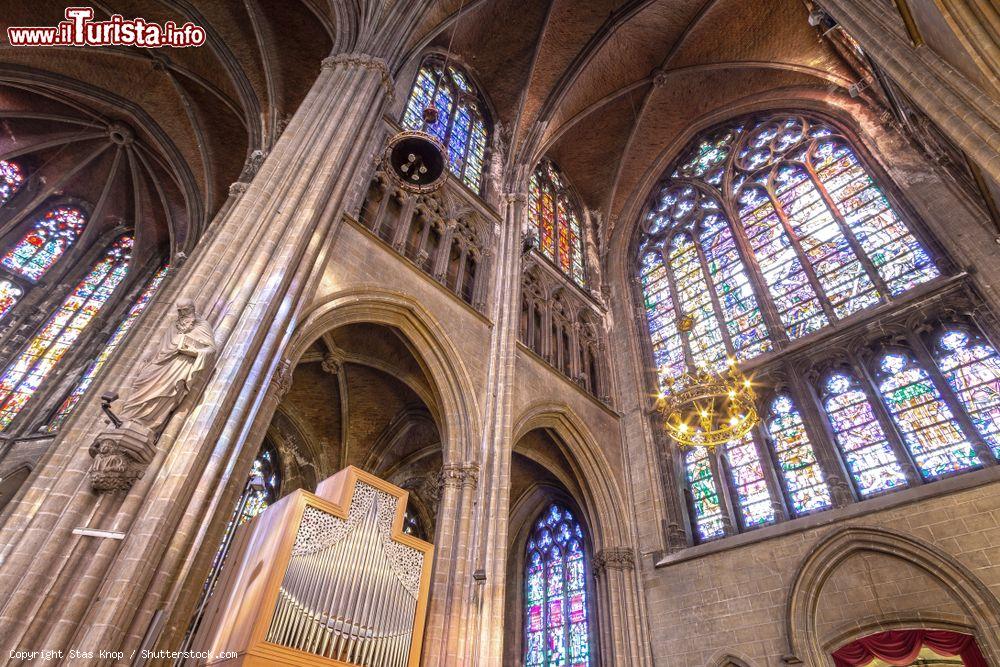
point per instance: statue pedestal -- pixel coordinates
(120, 457)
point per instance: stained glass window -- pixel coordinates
(108, 350)
(803, 478)
(756, 506)
(556, 221)
(704, 494)
(556, 624)
(859, 435)
(10, 294)
(11, 180)
(668, 354)
(922, 417)
(460, 125)
(812, 229)
(972, 368)
(27, 372)
(48, 239)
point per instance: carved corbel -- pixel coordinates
(120, 457)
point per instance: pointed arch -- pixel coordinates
(805, 643)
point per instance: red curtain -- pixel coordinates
(900, 647)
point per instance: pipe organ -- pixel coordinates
(323, 579)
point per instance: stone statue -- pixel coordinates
(185, 351)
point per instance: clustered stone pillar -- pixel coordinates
(252, 274)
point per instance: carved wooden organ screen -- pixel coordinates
(323, 579)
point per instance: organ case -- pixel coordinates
(323, 579)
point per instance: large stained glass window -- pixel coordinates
(556, 220)
(49, 238)
(66, 409)
(859, 435)
(972, 368)
(30, 368)
(803, 478)
(704, 494)
(556, 625)
(460, 124)
(922, 417)
(813, 235)
(11, 180)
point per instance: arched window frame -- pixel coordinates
(13, 178)
(468, 163)
(652, 237)
(571, 261)
(587, 588)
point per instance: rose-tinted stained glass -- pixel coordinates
(556, 623)
(927, 426)
(972, 368)
(704, 494)
(786, 280)
(11, 180)
(48, 239)
(756, 507)
(859, 435)
(460, 125)
(66, 409)
(10, 294)
(838, 270)
(803, 477)
(897, 255)
(27, 372)
(556, 221)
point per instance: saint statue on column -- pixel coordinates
(185, 352)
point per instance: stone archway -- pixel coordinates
(812, 646)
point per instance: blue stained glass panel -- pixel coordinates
(972, 368)
(801, 471)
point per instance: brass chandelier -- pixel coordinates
(708, 408)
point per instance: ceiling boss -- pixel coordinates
(708, 409)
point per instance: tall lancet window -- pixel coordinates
(557, 618)
(972, 368)
(119, 334)
(25, 374)
(461, 123)
(11, 180)
(556, 220)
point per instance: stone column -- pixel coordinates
(961, 109)
(251, 275)
(481, 636)
(621, 643)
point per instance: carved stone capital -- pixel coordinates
(365, 61)
(613, 558)
(238, 188)
(676, 538)
(332, 363)
(458, 475)
(120, 457)
(516, 197)
(281, 381)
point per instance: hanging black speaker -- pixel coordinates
(416, 161)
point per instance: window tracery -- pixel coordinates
(769, 230)
(446, 238)
(557, 612)
(563, 328)
(461, 124)
(556, 221)
(11, 180)
(45, 243)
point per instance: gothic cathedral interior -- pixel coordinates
(482, 333)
